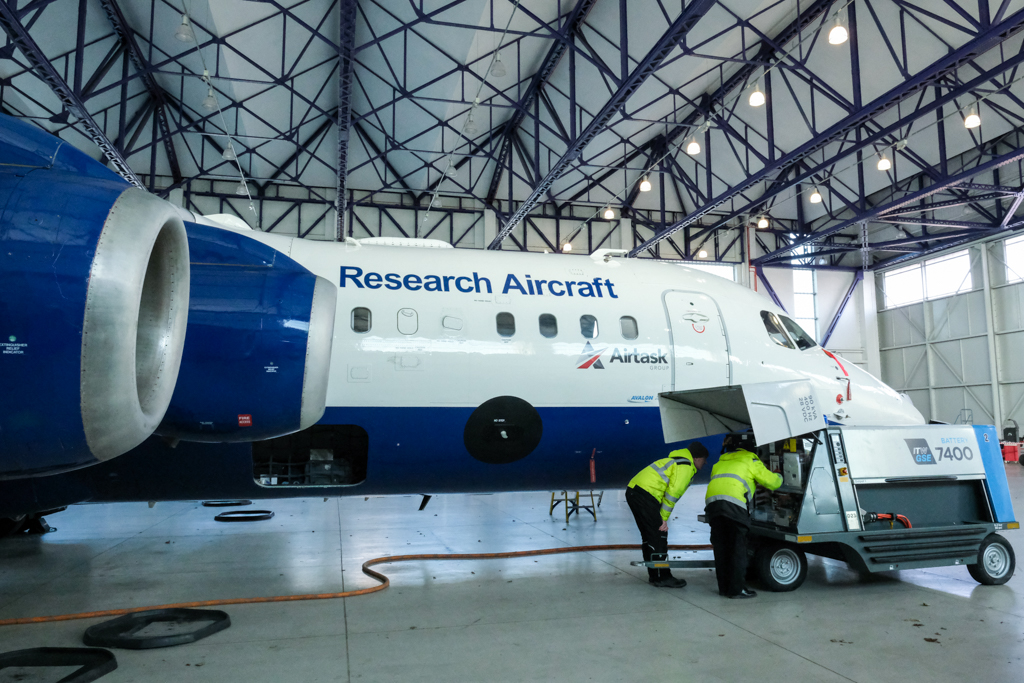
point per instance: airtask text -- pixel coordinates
(527, 286)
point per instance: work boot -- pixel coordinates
(744, 594)
(667, 582)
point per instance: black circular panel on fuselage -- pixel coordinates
(503, 430)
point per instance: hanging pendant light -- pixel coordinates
(815, 197)
(838, 35)
(567, 247)
(210, 102)
(693, 149)
(497, 67)
(756, 97)
(609, 214)
(972, 120)
(645, 185)
(883, 163)
(242, 189)
(762, 222)
(185, 33)
(229, 153)
(702, 253)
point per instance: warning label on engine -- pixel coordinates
(12, 347)
(245, 420)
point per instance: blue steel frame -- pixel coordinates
(543, 152)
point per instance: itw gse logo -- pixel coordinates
(923, 455)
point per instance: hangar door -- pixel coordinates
(700, 344)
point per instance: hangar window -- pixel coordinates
(802, 339)
(362, 319)
(948, 275)
(588, 326)
(408, 321)
(903, 286)
(506, 323)
(548, 325)
(1015, 259)
(628, 326)
(775, 331)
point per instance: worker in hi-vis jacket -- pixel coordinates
(652, 494)
(727, 506)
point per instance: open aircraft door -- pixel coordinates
(774, 410)
(700, 342)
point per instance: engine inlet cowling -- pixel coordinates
(94, 287)
(258, 348)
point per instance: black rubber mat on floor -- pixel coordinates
(157, 628)
(93, 663)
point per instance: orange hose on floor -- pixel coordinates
(384, 582)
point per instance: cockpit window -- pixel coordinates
(775, 331)
(802, 339)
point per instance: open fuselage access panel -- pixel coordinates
(884, 498)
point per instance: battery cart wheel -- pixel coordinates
(995, 563)
(780, 568)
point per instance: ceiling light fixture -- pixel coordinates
(497, 68)
(185, 33)
(815, 197)
(883, 163)
(567, 247)
(757, 97)
(838, 35)
(693, 149)
(645, 185)
(972, 120)
(210, 103)
(229, 153)
(470, 127)
(702, 253)
(762, 222)
(242, 189)
(609, 214)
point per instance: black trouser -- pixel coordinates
(647, 513)
(729, 538)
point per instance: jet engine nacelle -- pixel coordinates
(94, 288)
(258, 348)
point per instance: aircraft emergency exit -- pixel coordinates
(150, 354)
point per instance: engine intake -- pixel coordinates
(94, 288)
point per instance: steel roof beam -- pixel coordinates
(710, 102)
(678, 30)
(880, 210)
(347, 10)
(143, 67)
(572, 24)
(930, 77)
(71, 100)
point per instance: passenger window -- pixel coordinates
(548, 325)
(628, 326)
(588, 326)
(802, 339)
(362, 319)
(506, 324)
(408, 321)
(774, 327)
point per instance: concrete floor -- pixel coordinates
(581, 617)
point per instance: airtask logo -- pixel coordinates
(592, 358)
(921, 452)
(466, 284)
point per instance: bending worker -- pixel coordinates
(652, 494)
(728, 502)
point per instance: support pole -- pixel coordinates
(990, 334)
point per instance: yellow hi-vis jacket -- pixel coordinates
(667, 479)
(734, 475)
